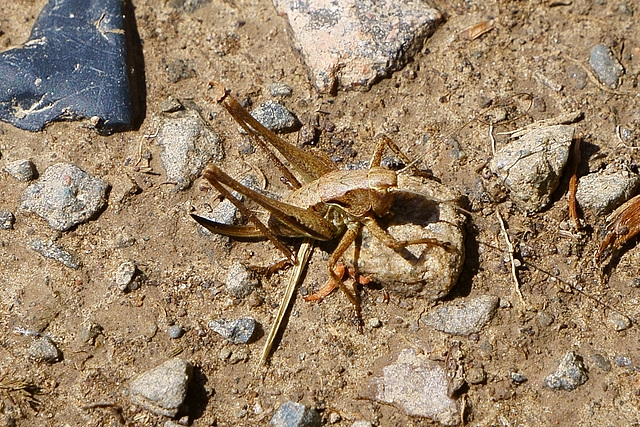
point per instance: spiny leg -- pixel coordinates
(379, 233)
(346, 241)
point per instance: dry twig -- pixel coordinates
(512, 259)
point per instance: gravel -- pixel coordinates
(65, 196)
(45, 350)
(53, 250)
(7, 219)
(275, 116)
(292, 414)
(23, 170)
(606, 66)
(124, 275)
(531, 166)
(603, 191)
(570, 374)
(162, 390)
(236, 331)
(239, 281)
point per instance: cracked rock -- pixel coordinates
(531, 166)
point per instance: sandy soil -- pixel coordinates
(436, 107)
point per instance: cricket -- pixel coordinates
(326, 203)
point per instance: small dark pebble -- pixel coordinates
(238, 331)
(517, 377)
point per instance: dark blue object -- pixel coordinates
(73, 65)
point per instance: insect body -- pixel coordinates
(330, 203)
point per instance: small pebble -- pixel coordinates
(374, 322)
(90, 331)
(620, 322)
(238, 331)
(274, 116)
(54, 251)
(175, 331)
(292, 414)
(362, 423)
(170, 105)
(23, 170)
(45, 350)
(517, 377)
(124, 275)
(623, 361)
(188, 144)
(239, 281)
(606, 66)
(601, 362)
(462, 317)
(334, 417)
(280, 89)
(7, 219)
(476, 375)
(570, 374)
(162, 390)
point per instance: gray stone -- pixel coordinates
(605, 65)
(239, 281)
(225, 212)
(623, 361)
(425, 209)
(52, 250)
(188, 144)
(280, 89)
(90, 331)
(351, 44)
(65, 196)
(7, 219)
(23, 170)
(462, 317)
(237, 331)
(362, 423)
(570, 374)
(603, 191)
(601, 362)
(124, 275)
(532, 165)
(274, 116)
(45, 350)
(418, 386)
(162, 390)
(175, 331)
(292, 414)
(619, 321)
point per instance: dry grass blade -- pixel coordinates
(302, 258)
(477, 30)
(622, 225)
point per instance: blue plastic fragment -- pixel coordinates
(73, 65)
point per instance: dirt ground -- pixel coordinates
(437, 107)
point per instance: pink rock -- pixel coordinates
(350, 44)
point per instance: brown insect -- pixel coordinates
(622, 225)
(328, 204)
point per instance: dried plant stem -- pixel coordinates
(510, 248)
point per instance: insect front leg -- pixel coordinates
(397, 245)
